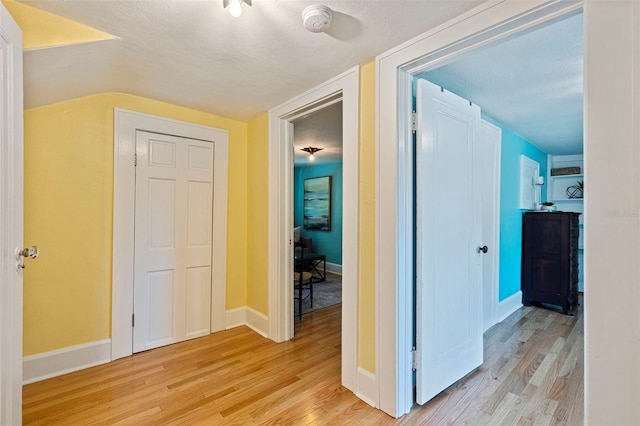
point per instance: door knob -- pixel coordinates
(483, 249)
(31, 252)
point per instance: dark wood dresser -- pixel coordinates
(550, 259)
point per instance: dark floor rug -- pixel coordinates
(325, 293)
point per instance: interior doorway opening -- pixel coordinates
(343, 88)
(317, 211)
(396, 71)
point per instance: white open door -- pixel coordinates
(448, 235)
(489, 177)
(173, 240)
(11, 220)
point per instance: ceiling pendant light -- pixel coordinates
(235, 6)
(311, 150)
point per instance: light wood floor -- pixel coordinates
(533, 374)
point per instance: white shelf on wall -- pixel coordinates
(557, 193)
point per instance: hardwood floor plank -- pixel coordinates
(532, 375)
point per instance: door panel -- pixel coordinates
(173, 238)
(448, 230)
(11, 219)
(489, 175)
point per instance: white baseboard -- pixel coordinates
(250, 317)
(508, 306)
(366, 388)
(236, 317)
(334, 268)
(66, 360)
(258, 322)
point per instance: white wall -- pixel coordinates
(612, 93)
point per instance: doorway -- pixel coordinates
(345, 88)
(317, 209)
(126, 126)
(395, 73)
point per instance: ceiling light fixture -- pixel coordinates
(235, 6)
(311, 150)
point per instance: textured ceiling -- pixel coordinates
(532, 84)
(322, 129)
(194, 54)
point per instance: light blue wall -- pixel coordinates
(325, 242)
(513, 146)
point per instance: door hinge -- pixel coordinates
(133, 320)
(414, 359)
(414, 126)
(135, 159)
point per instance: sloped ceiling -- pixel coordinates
(194, 54)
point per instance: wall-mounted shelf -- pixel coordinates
(557, 193)
(557, 185)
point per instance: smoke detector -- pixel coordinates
(317, 18)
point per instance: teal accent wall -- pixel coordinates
(326, 242)
(513, 146)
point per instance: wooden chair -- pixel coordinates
(302, 279)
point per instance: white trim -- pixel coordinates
(66, 360)
(345, 87)
(257, 321)
(236, 317)
(334, 268)
(508, 306)
(480, 26)
(367, 387)
(251, 318)
(495, 239)
(11, 221)
(126, 123)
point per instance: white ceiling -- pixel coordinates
(321, 129)
(194, 54)
(532, 84)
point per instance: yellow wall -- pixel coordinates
(42, 29)
(257, 215)
(68, 213)
(366, 289)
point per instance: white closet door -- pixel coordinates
(173, 232)
(449, 271)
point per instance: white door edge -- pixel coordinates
(394, 71)
(281, 213)
(125, 125)
(490, 296)
(11, 220)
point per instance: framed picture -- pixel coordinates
(317, 204)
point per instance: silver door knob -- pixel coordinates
(31, 252)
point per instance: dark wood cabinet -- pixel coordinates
(550, 259)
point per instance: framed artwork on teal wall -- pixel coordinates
(317, 204)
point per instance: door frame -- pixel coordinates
(487, 23)
(11, 225)
(344, 87)
(490, 293)
(126, 123)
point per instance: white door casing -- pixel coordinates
(127, 124)
(11, 219)
(448, 234)
(395, 69)
(174, 203)
(345, 87)
(489, 176)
